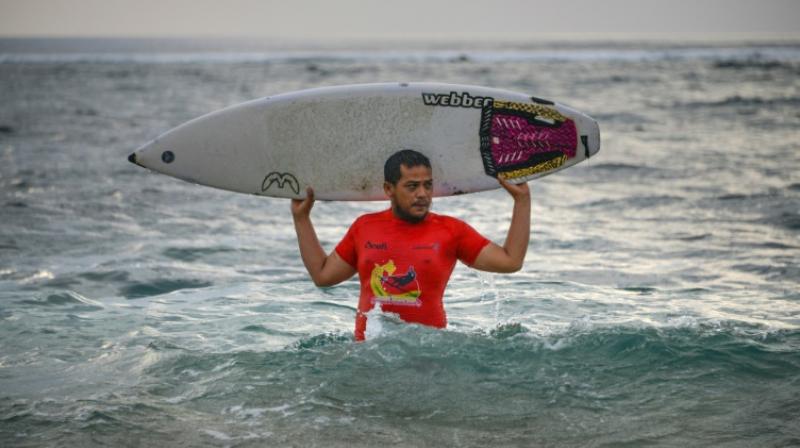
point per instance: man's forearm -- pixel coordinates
(310, 249)
(519, 231)
(509, 256)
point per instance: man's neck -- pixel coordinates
(403, 216)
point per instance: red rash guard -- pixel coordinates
(405, 267)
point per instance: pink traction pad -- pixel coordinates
(514, 140)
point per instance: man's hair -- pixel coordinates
(407, 157)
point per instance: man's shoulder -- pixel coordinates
(369, 218)
(445, 220)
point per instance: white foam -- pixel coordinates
(217, 434)
(374, 326)
(40, 275)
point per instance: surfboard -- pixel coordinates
(336, 140)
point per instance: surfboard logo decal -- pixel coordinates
(455, 99)
(281, 180)
(521, 139)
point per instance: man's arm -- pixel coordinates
(325, 270)
(510, 256)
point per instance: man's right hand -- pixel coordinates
(301, 208)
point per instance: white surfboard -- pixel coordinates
(336, 140)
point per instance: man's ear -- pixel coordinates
(388, 189)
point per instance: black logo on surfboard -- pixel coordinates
(282, 180)
(455, 99)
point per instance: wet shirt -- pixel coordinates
(404, 267)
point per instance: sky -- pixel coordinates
(321, 19)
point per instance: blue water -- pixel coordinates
(659, 304)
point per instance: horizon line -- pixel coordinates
(439, 37)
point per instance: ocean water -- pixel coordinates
(659, 304)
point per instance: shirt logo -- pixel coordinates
(395, 288)
(376, 246)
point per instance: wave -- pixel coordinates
(774, 271)
(622, 167)
(621, 117)
(583, 339)
(464, 52)
(642, 202)
(680, 338)
(195, 253)
(411, 383)
(496, 364)
(788, 219)
(138, 290)
(757, 63)
(65, 299)
(737, 101)
(508, 371)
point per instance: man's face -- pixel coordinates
(411, 197)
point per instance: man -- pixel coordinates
(404, 256)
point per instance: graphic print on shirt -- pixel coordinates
(396, 289)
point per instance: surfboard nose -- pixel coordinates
(142, 155)
(132, 159)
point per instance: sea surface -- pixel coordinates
(659, 304)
